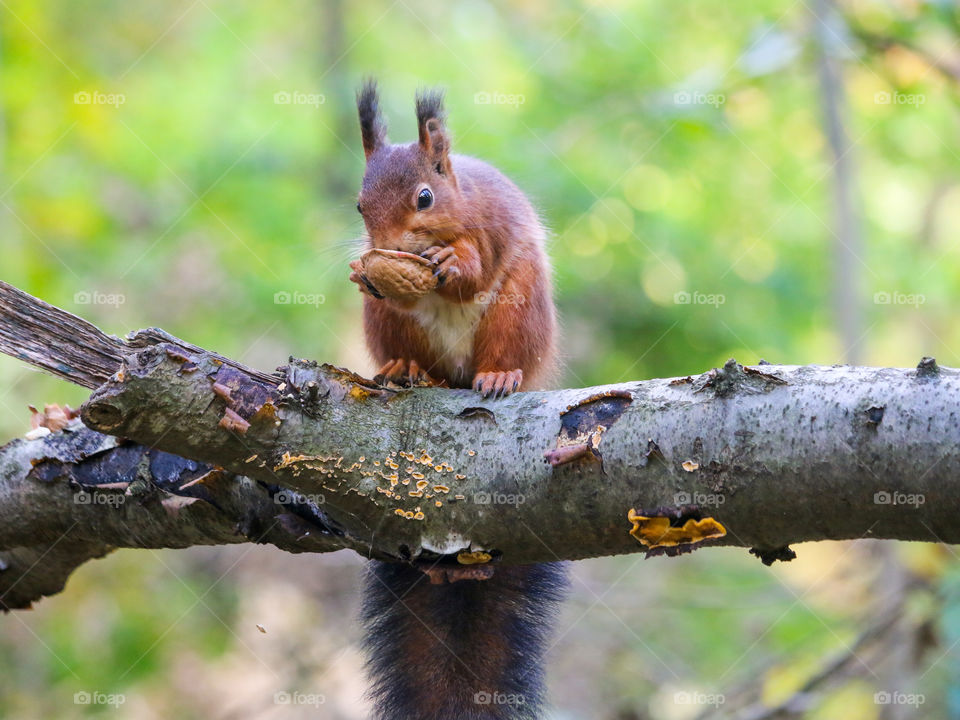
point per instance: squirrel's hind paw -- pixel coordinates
(405, 373)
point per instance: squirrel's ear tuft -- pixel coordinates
(373, 130)
(434, 140)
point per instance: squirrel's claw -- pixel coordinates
(498, 383)
(406, 373)
(445, 260)
(366, 287)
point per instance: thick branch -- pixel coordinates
(776, 454)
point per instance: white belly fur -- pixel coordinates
(450, 328)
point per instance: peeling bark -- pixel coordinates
(75, 495)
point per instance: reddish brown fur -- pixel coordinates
(486, 241)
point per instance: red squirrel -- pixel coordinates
(490, 324)
(465, 649)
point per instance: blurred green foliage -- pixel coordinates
(181, 164)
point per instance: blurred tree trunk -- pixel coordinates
(847, 243)
(334, 181)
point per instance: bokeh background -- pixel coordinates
(775, 180)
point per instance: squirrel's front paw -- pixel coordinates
(445, 260)
(406, 373)
(361, 280)
(498, 383)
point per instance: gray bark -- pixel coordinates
(777, 454)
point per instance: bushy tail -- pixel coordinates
(468, 650)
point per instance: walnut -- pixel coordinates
(398, 275)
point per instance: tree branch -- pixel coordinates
(762, 457)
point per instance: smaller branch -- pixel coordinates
(950, 69)
(833, 670)
(55, 340)
(72, 348)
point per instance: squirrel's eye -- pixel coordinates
(424, 199)
(359, 209)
